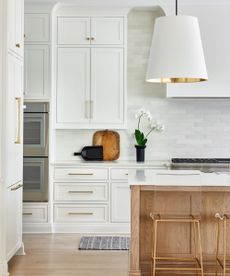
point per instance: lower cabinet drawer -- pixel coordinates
(80, 191)
(80, 213)
(119, 174)
(80, 174)
(35, 213)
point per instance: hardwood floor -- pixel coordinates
(58, 255)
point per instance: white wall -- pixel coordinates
(194, 127)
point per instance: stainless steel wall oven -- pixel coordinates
(36, 149)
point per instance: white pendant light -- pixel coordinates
(176, 54)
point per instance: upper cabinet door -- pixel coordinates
(15, 26)
(37, 27)
(73, 30)
(73, 87)
(107, 87)
(214, 24)
(37, 68)
(107, 30)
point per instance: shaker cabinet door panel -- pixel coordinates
(107, 86)
(73, 87)
(37, 27)
(120, 202)
(37, 65)
(73, 30)
(107, 30)
(14, 121)
(15, 26)
(14, 220)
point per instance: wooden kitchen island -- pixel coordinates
(175, 193)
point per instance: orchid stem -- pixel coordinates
(138, 126)
(149, 132)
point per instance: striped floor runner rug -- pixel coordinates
(104, 243)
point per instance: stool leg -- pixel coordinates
(195, 239)
(217, 244)
(200, 249)
(225, 247)
(152, 253)
(155, 248)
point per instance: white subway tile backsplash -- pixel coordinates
(193, 127)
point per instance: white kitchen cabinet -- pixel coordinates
(14, 219)
(73, 87)
(14, 121)
(87, 80)
(37, 72)
(107, 30)
(214, 22)
(15, 18)
(120, 202)
(11, 122)
(37, 27)
(107, 86)
(98, 30)
(35, 212)
(73, 30)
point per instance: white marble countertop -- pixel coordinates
(163, 164)
(186, 178)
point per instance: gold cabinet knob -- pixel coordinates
(17, 45)
(87, 38)
(92, 38)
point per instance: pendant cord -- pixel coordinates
(176, 7)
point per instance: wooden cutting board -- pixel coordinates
(110, 140)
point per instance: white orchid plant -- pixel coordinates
(140, 137)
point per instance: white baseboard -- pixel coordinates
(42, 228)
(92, 228)
(4, 269)
(112, 228)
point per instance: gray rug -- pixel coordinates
(104, 243)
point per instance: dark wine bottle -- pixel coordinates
(91, 153)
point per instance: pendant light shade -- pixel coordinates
(176, 54)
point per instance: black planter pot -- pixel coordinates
(140, 153)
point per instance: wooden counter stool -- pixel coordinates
(197, 258)
(225, 219)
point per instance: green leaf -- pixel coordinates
(144, 142)
(138, 136)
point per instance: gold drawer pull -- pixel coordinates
(18, 45)
(92, 38)
(79, 213)
(87, 38)
(19, 104)
(27, 214)
(80, 192)
(80, 173)
(126, 174)
(17, 187)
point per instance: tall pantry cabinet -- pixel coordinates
(11, 122)
(90, 53)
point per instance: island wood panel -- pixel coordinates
(177, 239)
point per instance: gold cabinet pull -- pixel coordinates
(19, 101)
(126, 174)
(27, 214)
(80, 213)
(92, 38)
(87, 38)
(18, 45)
(80, 173)
(80, 192)
(87, 109)
(17, 187)
(91, 109)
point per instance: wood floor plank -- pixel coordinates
(58, 255)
